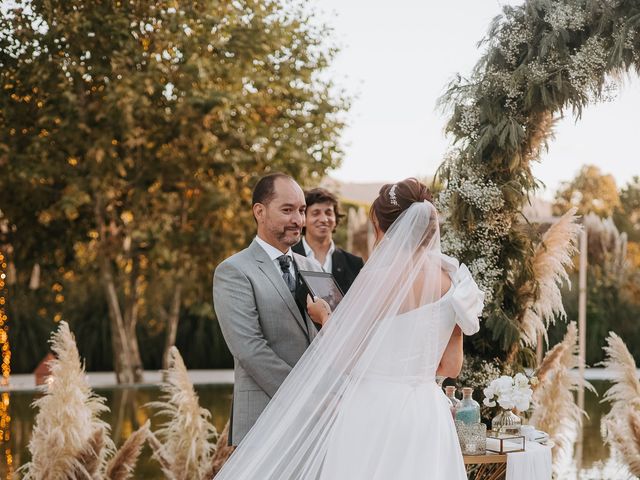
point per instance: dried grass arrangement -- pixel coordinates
(554, 408)
(69, 441)
(552, 258)
(185, 444)
(621, 426)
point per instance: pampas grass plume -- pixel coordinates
(123, 463)
(555, 410)
(552, 257)
(67, 421)
(621, 426)
(69, 441)
(186, 442)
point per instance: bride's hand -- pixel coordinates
(318, 309)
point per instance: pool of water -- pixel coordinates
(128, 412)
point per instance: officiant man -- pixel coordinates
(259, 301)
(322, 218)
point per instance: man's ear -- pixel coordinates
(258, 211)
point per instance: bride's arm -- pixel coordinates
(451, 361)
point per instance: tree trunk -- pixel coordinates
(174, 311)
(121, 356)
(134, 349)
(119, 344)
(131, 321)
(172, 324)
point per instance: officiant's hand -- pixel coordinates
(318, 309)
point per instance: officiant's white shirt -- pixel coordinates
(274, 253)
(328, 262)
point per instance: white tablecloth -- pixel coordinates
(532, 464)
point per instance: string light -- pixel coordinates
(5, 349)
(5, 432)
(4, 328)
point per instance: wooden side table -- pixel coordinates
(492, 466)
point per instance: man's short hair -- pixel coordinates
(264, 190)
(322, 195)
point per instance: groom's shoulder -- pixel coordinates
(237, 260)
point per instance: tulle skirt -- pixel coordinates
(394, 429)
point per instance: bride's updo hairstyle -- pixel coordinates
(395, 198)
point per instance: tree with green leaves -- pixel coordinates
(131, 134)
(591, 191)
(613, 284)
(627, 215)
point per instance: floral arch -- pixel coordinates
(540, 58)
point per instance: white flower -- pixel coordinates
(504, 384)
(509, 392)
(565, 16)
(522, 399)
(506, 401)
(489, 403)
(520, 380)
(470, 120)
(587, 65)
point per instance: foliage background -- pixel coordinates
(131, 135)
(611, 217)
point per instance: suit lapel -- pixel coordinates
(271, 272)
(299, 249)
(338, 267)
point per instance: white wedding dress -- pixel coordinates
(395, 422)
(362, 402)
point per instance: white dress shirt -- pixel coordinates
(328, 262)
(274, 253)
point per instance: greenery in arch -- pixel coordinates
(541, 58)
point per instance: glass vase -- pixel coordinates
(506, 422)
(469, 410)
(450, 391)
(472, 438)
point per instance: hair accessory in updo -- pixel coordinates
(395, 198)
(392, 195)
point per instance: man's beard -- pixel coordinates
(289, 237)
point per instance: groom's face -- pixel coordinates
(281, 220)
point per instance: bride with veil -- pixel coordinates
(362, 402)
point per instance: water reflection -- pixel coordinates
(128, 413)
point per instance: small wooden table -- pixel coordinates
(491, 466)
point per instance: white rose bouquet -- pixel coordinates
(509, 392)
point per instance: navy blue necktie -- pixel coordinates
(285, 265)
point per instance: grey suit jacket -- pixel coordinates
(263, 328)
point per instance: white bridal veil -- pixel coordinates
(404, 274)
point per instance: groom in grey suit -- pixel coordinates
(254, 293)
